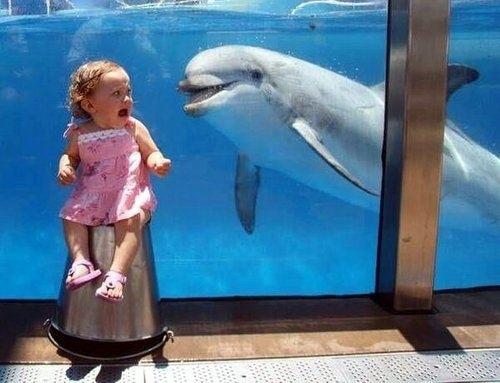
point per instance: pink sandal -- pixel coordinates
(110, 283)
(80, 281)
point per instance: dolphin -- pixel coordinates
(323, 130)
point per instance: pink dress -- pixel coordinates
(112, 182)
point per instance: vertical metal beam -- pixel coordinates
(414, 129)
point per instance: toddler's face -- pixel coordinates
(112, 99)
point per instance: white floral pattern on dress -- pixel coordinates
(101, 135)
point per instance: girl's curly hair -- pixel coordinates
(83, 81)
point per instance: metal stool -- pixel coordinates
(89, 327)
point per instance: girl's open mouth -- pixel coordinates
(123, 112)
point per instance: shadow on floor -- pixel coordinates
(23, 320)
(247, 316)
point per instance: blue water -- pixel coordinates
(305, 242)
(472, 258)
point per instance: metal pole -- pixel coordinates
(414, 130)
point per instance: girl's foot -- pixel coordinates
(81, 272)
(112, 287)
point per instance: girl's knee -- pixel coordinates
(136, 222)
(128, 223)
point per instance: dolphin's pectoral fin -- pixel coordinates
(459, 75)
(310, 136)
(245, 188)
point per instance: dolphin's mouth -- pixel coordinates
(198, 93)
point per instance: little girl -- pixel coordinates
(108, 156)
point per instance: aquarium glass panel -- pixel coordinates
(469, 235)
(271, 115)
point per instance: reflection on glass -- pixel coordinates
(469, 236)
(273, 190)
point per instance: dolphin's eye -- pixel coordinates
(255, 74)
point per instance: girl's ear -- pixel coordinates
(87, 106)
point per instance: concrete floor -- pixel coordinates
(265, 328)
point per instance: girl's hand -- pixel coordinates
(66, 175)
(162, 166)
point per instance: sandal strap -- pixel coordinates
(81, 262)
(116, 276)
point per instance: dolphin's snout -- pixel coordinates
(193, 110)
(184, 86)
(195, 82)
(201, 89)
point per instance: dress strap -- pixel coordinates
(130, 126)
(71, 127)
(74, 124)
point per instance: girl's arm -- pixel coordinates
(69, 161)
(151, 155)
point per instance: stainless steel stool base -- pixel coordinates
(105, 350)
(93, 328)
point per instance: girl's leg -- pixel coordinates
(128, 233)
(77, 240)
